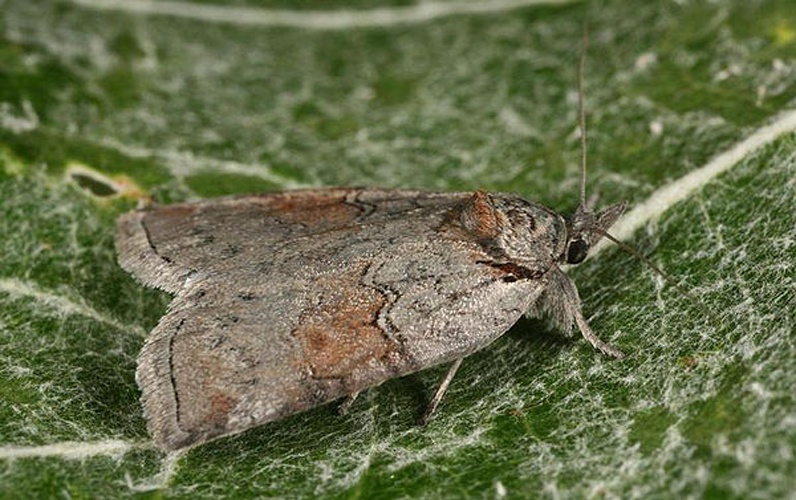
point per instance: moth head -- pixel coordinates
(584, 230)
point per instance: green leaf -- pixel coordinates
(101, 105)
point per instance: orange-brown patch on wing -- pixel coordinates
(340, 334)
(479, 217)
(177, 211)
(220, 407)
(319, 208)
(474, 219)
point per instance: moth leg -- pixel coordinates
(562, 302)
(346, 404)
(443, 387)
(593, 339)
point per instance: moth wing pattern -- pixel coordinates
(306, 297)
(165, 245)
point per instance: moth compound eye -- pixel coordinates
(577, 251)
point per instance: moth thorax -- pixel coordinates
(531, 233)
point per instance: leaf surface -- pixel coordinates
(102, 105)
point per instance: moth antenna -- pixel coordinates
(643, 258)
(582, 112)
(640, 256)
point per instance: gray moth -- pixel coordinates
(287, 301)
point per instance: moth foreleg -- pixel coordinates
(569, 302)
(593, 339)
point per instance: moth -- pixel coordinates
(287, 301)
(290, 300)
